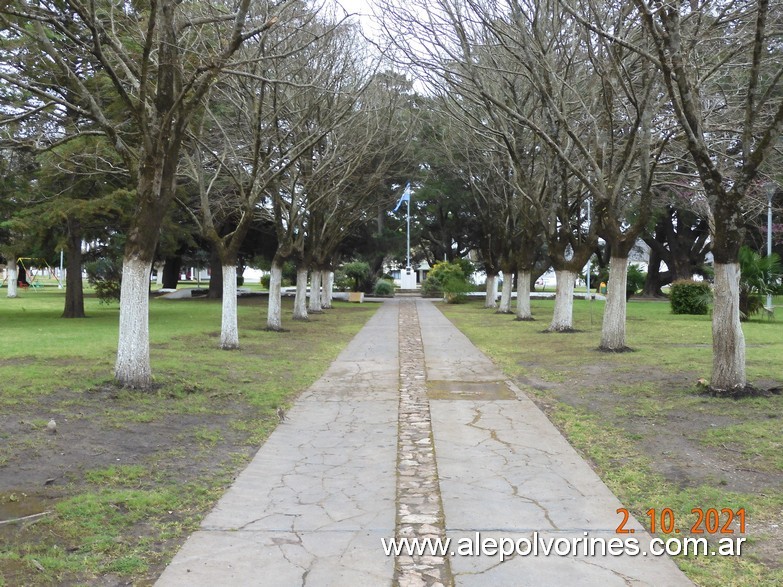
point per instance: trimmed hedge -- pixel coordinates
(690, 297)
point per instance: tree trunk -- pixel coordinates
(505, 295)
(652, 283)
(300, 301)
(132, 368)
(563, 315)
(13, 275)
(523, 295)
(171, 269)
(74, 288)
(159, 275)
(490, 301)
(274, 310)
(155, 189)
(216, 280)
(229, 331)
(680, 267)
(613, 328)
(327, 284)
(728, 341)
(315, 292)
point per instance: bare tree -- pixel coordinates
(154, 64)
(721, 67)
(365, 150)
(480, 159)
(322, 94)
(254, 130)
(482, 53)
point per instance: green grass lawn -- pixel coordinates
(132, 473)
(641, 420)
(129, 474)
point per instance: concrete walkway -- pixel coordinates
(445, 447)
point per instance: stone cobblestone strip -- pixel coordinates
(419, 507)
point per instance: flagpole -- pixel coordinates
(405, 278)
(408, 266)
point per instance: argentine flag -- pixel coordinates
(406, 196)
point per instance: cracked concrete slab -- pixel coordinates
(584, 570)
(506, 471)
(280, 559)
(312, 506)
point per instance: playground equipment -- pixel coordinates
(31, 272)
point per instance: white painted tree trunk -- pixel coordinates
(563, 315)
(315, 292)
(728, 341)
(274, 320)
(613, 328)
(523, 296)
(229, 331)
(159, 275)
(13, 275)
(300, 301)
(327, 283)
(132, 368)
(492, 290)
(505, 295)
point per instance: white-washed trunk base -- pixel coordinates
(505, 294)
(300, 301)
(327, 283)
(523, 296)
(563, 315)
(159, 275)
(728, 341)
(492, 289)
(229, 330)
(132, 368)
(315, 292)
(274, 320)
(613, 328)
(13, 275)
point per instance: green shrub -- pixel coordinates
(447, 280)
(383, 288)
(287, 277)
(341, 281)
(759, 276)
(690, 297)
(104, 275)
(289, 274)
(431, 288)
(358, 271)
(635, 280)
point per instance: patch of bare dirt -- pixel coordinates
(96, 429)
(670, 431)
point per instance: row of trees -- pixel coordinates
(241, 112)
(574, 120)
(548, 130)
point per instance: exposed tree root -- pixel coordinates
(743, 391)
(625, 349)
